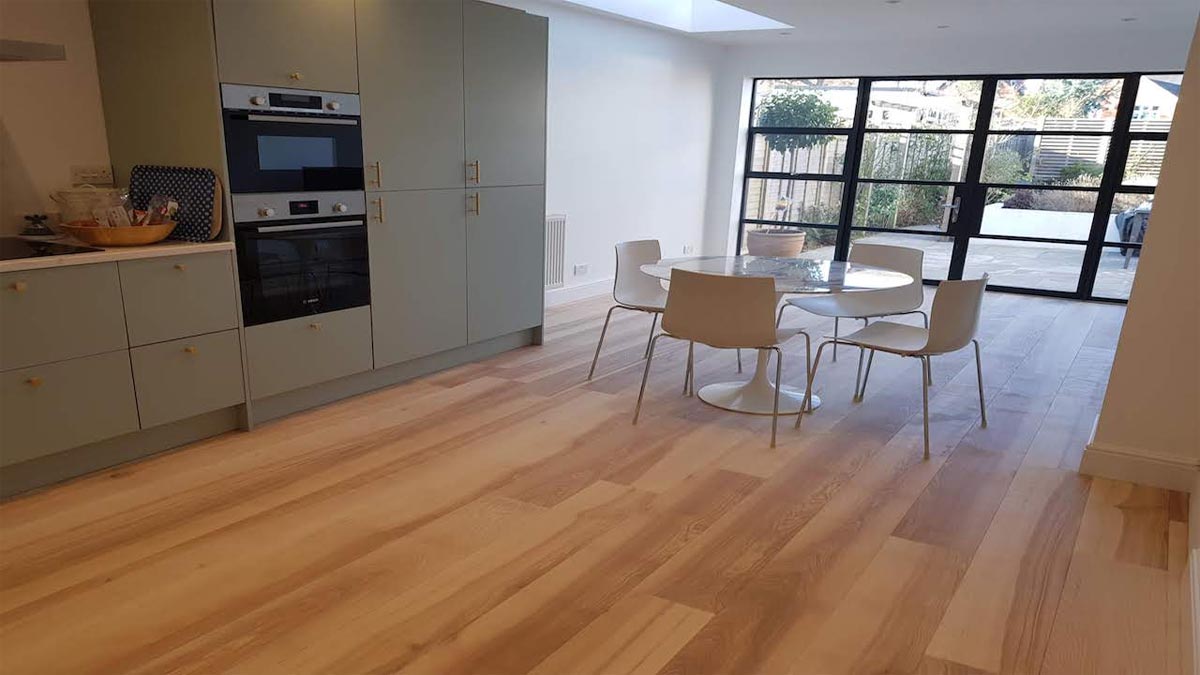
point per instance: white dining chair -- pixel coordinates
(866, 305)
(953, 321)
(722, 312)
(634, 290)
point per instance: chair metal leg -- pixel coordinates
(925, 399)
(924, 318)
(807, 363)
(779, 319)
(645, 376)
(600, 344)
(778, 384)
(653, 325)
(739, 355)
(862, 393)
(690, 373)
(835, 337)
(858, 373)
(812, 376)
(979, 378)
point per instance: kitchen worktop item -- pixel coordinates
(137, 235)
(197, 191)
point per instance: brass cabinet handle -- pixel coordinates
(34, 381)
(180, 266)
(191, 350)
(378, 166)
(473, 205)
(378, 202)
(315, 325)
(295, 75)
(473, 176)
(19, 286)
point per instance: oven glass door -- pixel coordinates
(292, 152)
(302, 268)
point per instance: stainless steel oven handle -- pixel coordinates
(310, 226)
(301, 120)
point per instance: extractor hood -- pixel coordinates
(20, 50)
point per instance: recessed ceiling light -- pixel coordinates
(1127, 19)
(943, 25)
(786, 33)
(892, 2)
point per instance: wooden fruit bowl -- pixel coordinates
(138, 235)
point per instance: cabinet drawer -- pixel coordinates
(177, 296)
(64, 405)
(57, 314)
(182, 378)
(290, 354)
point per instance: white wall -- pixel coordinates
(50, 113)
(1149, 426)
(1126, 49)
(630, 121)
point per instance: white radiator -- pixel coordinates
(556, 250)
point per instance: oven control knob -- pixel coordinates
(340, 208)
(266, 212)
(333, 105)
(258, 100)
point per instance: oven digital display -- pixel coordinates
(295, 101)
(304, 208)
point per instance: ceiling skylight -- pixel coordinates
(690, 16)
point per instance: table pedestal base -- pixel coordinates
(756, 397)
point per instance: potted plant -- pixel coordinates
(777, 242)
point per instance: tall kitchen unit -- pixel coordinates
(453, 97)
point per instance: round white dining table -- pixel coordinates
(791, 275)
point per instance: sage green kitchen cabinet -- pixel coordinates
(418, 275)
(183, 378)
(410, 69)
(505, 84)
(58, 313)
(57, 406)
(505, 258)
(177, 296)
(302, 44)
(295, 353)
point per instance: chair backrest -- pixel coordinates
(631, 283)
(910, 261)
(721, 311)
(955, 314)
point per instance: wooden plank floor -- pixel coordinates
(505, 517)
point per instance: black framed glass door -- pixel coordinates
(1043, 182)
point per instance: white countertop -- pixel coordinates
(164, 248)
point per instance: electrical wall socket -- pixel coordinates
(581, 270)
(91, 174)
(688, 249)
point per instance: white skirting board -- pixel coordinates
(561, 296)
(1139, 466)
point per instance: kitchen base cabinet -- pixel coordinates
(55, 314)
(296, 353)
(418, 275)
(45, 409)
(184, 378)
(505, 256)
(175, 296)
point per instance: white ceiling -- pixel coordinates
(862, 20)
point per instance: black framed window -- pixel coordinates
(1045, 182)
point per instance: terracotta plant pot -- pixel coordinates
(775, 244)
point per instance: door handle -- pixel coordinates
(378, 202)
(953, 207)
(473, 176)
(473, 204)
(378, 182)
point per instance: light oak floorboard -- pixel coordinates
(506, 517)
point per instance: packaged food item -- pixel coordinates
(160, 209)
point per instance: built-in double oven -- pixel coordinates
(299, 210)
